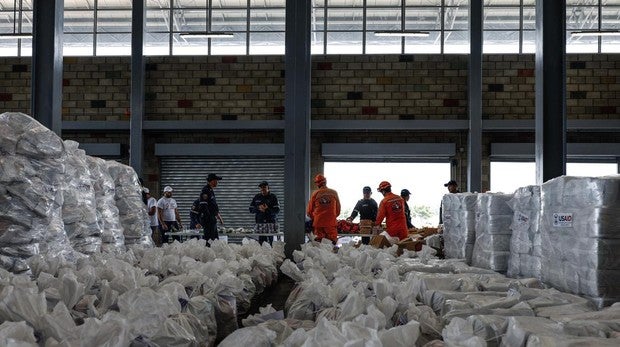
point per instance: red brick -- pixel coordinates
(66, 82)
(324, 66)
(608, 109)
(185, 103)
(6, 97)
(153, 178)
(450, 102)
(229, 60)
(278, 109)
(525, 73)
(370, 110)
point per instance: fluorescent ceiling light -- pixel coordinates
(596, 33)
(402, 33)
(207, 34)
(11, 36)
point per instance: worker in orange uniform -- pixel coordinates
(323, 209)
(392, 208)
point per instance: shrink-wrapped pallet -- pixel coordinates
(493, 219)
(32, 175)
(459, 221)
(79, 210)
(112, 238)
(132, 211)
(525, 243)
(580, 230)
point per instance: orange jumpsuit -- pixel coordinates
(392, 208)
(323, 209)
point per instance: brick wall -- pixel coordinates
(215, 88)
(343, 87)
(592, 86)
(389, 87)
(96, 88)
(15, 85)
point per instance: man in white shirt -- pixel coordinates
(168, 214)
(151, 206)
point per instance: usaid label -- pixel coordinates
(521, 219)
(563, 220)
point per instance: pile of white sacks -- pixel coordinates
(369, 297)
(56, 199)
(77, 265)
(565, 232)
(178, 295)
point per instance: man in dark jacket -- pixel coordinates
(453, 188)
(211, 213)
(265, 208)
(406, 194)
(366, 208)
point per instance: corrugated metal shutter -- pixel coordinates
(241, 176)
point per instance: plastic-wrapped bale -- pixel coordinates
(112, 237)
(580, 231)
(493, 219)
(459, 220)
(525, 244)
(132, 211)
(31, 177)
(79, 210)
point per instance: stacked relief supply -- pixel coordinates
(112, 238)
(525, 244)
(133, 216)
(32, 172)
(493, 219)
(459, 221)
(54, 199)
(79, 210)
(580, 229)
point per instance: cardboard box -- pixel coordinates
(410, 245)
(379, 241)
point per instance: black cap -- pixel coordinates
(367, 190)
(212, 176)
(405, 192)
(263, 184)
(451, 182)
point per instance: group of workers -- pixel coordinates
(323, 210)
(205, 213)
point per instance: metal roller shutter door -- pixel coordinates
(241, 175)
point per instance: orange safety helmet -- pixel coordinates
(384, 185)
(320, 179)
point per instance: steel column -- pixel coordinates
(136, 145)
(296, 121)
(550, 89)
(474, 142)
(46, 103)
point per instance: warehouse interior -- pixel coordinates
(518, 105)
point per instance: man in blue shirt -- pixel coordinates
(366, 208)
(265, 208)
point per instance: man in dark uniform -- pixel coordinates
(453, 188)
(406, 194)
(265, 208)
(210, 211)
(366, 208)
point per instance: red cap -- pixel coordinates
(320, 179)
(384, 185)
